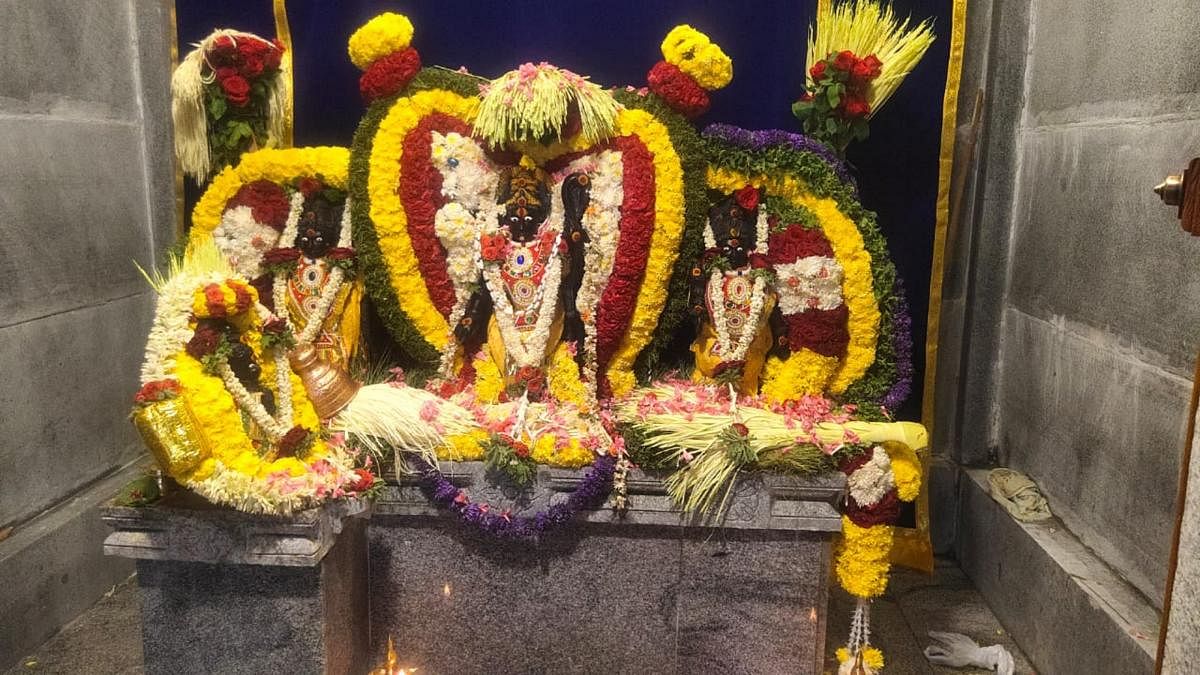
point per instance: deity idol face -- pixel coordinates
(734, 229)
(525, 194)
(319, 227)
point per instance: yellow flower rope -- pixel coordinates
(387, 212)
(664, 243)
(276, 165)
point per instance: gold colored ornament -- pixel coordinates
(329, 387)
(170, 430)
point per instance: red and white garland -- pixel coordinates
(469, 183)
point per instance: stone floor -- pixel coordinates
(107, 638)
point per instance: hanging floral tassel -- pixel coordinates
(858, 657)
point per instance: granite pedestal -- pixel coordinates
(227, 592)
(648, 593)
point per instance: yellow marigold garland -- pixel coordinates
(664, 244)
(276, 165)
(906, 468)
(804, 372)
(562, 377)
(847, 243)
(387, 211)
(862, 560)
(385, 34)
(572, 455)
(872, 657)
(489, 383)
(698, 56)
(466, 447)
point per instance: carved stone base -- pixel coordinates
(646, 593)
(232, 593)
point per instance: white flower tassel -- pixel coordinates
(860, 639)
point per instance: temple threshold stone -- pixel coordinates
(649, 592)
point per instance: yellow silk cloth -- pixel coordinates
(756, 354)
(499, 354)
(337, 341)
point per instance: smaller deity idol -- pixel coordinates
(732, 295)
(531, 269)
(313, 286)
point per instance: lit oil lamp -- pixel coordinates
(389, 666)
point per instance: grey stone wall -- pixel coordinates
(86, 189)
(1076, 326)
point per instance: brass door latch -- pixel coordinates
(1183, 191)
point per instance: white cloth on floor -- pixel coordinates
(957, 651)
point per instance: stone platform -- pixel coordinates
(227, 592)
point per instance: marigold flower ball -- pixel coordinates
(698, 56)
(385, 34)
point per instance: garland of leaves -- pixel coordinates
(366, 240)
(822, 178)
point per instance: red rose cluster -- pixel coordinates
(834, 108)
(237, 62)
(678, 89)
(388, 75)
(157, 390)
(853, 74)
(205, 341)
(491, 247)
(296, 442)
(268, 203)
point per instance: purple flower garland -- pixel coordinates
(590, 495)
(902, 335)
(762, 138)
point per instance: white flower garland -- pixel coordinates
(601, 221)
(812, 282)
(243, 240)
(728, 348)
(333, 285)
(469, 183)
(528, 348)
(872, 481)
(275, 427)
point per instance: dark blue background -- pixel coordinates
(616, 42)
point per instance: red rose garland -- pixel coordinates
(795, 242)
(678, 89)
(389, 74)
(821, 330)
(268, 203)
(619, 298)
(420, 192)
